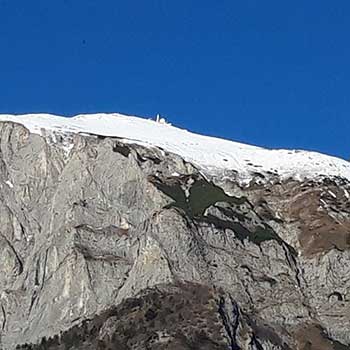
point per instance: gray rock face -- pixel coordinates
(106, 245)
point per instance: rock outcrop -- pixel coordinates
(113, 245)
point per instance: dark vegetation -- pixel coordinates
(202, 195)
(177, 317)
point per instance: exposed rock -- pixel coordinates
(112, 245)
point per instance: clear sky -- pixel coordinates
(271, 73)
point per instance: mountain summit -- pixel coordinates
(208, 153)
(125, 233)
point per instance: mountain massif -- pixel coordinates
(129, 234)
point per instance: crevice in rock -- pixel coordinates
(145, 158)
(254, 342)
(18, 258)
(335, 296)
(121, 149)
(230, 326)
(4, 317)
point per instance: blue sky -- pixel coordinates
(272, 73)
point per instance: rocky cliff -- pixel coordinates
(108, 243)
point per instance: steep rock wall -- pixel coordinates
(95, 232)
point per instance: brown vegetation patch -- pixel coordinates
(313, 337)
(320, 231)
(321, 210)
(178, 317)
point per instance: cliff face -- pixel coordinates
(113, 245)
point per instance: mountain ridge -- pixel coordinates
(211, 154)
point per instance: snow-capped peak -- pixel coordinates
(208, 153)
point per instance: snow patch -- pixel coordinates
(62, 139)
(9, 183)
(323, 202)
(211, 155)
(332, 194)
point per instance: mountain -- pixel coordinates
(124, 233)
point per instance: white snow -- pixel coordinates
(323, 202)
(9, 183)
(332, 194)
(208, 153)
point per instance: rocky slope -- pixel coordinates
(108, 243)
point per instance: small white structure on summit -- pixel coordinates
(161, 120)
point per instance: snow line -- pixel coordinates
(208, 153)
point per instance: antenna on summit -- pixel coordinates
(161, 120)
